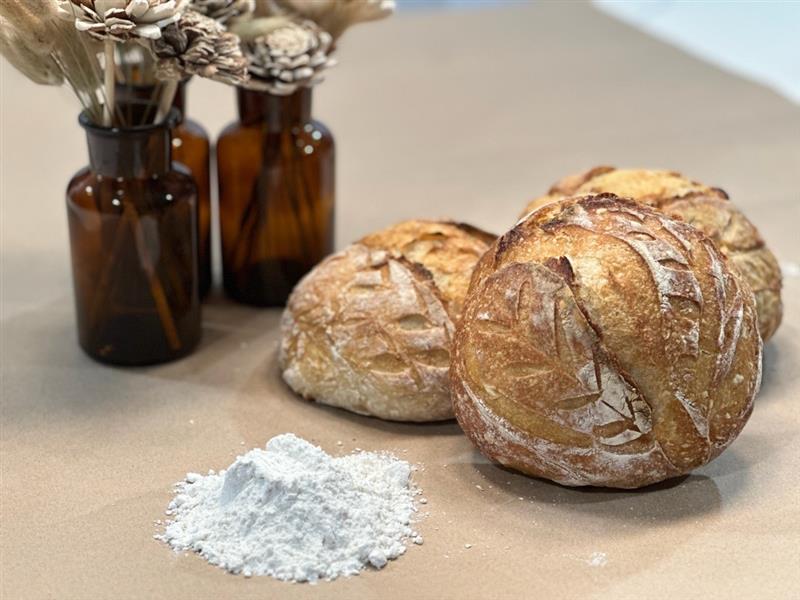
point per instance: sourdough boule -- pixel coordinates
(603, 343)
(369, 329)
(704, 207)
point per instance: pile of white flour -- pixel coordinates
(295, 513)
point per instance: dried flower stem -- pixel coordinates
(167, 97)
(156, 287)
(110, 72)
(153, 102)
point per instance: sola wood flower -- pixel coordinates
(290, 56)
(223, 10)
(122, 20)
(199, 45)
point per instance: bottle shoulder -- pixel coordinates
(234, 129)
(179, 179)
(80, 179)
(90, 191)
(192, 128)
(316, 135)
(81, 188)
(241, 141)
(322, 128)
(246, 141)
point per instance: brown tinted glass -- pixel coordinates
(133, 237)
(190, 147)
(276, 196)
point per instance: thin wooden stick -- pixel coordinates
(156, 287)
(167, 97)
(152, 103)
(110, 73)
(103, 287)
(247, 222)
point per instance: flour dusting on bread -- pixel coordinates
(599, 345)
(370, 328)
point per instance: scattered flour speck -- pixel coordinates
(295, 513)
(597, 559)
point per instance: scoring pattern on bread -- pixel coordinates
(370, 328)
(603, 343)
(704, 207)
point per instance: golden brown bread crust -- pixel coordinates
(447, 250)
(370, 328)
(706, 208)
(603, 343)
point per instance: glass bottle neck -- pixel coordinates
(179, 102)
(130, 153)
(276, 112)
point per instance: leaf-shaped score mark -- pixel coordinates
(539, 352)
(523, 370)
(535, 344)
(576, 402)
(668, 259)
(666, 248)
(413, 321)
(390, 319)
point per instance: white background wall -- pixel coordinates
(756, 40)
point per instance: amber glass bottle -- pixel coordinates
(133, 236)
(276, 196)
(191, 148)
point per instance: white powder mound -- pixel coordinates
(295, 513)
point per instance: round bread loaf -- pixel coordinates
(369, 329)
(604, 343)
(706, 208)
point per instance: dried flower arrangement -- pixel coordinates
(98, 45)
(288, 43)
(276, 165)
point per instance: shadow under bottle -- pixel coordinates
(276, 196)
(133, 238)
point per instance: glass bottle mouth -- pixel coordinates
(139, 109)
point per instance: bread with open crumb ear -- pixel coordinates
(604, 343)
(369, 329)
(704, 207)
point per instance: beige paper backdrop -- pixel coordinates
(463, 115)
